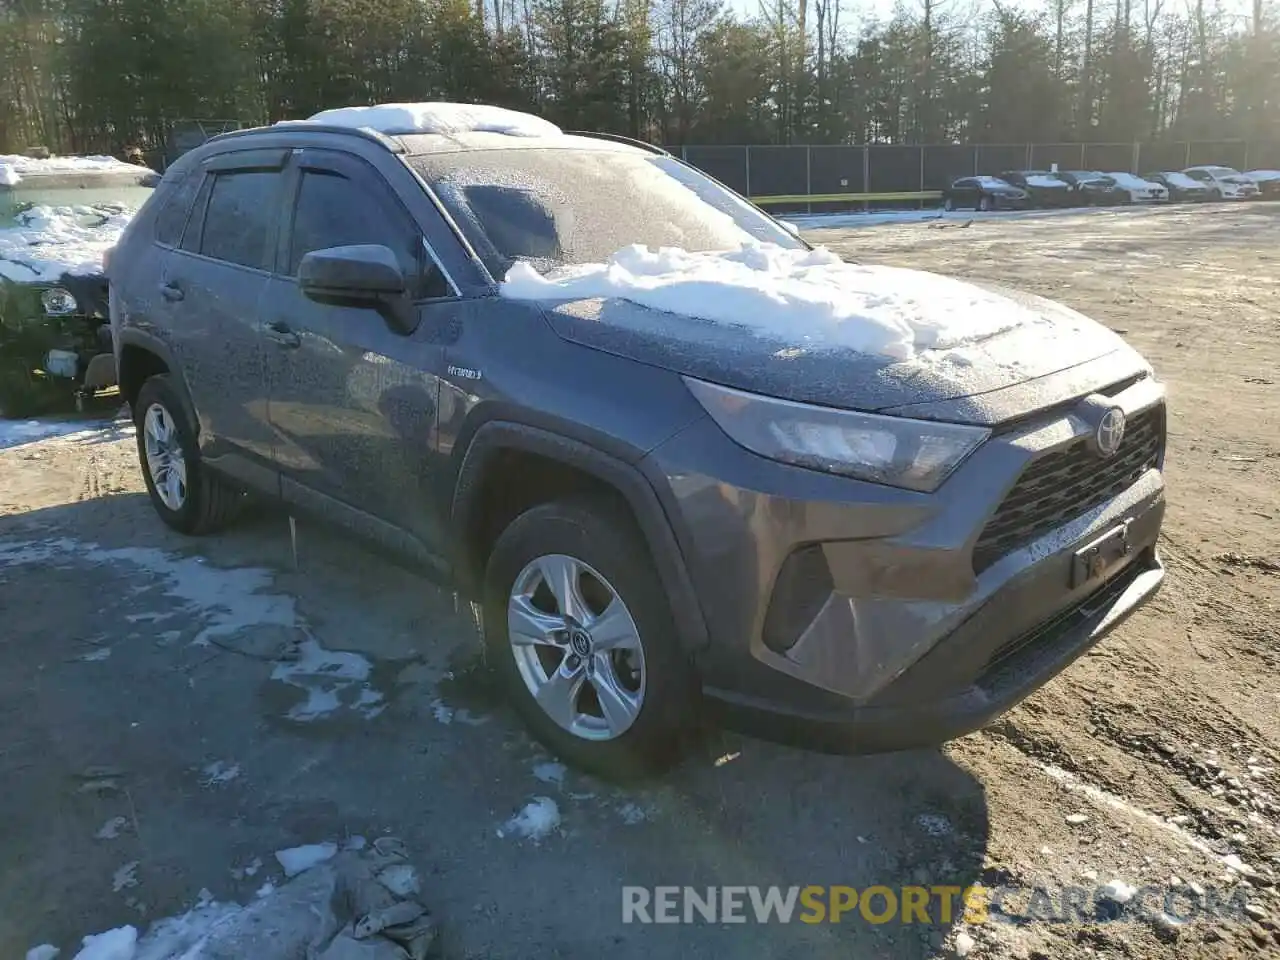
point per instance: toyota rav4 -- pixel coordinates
(673, 454)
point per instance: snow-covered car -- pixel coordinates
(671, 451)
(1268, 182)
(1224, 183)
(1179, 185)
(1043, 187)
(58, 217)
(984, 193)
(1138, 190)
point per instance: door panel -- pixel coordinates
(353, 407)
(352, 403)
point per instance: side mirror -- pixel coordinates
(363, 275)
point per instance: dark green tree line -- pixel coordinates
(97, 75)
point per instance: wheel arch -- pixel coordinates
(551, 466)
(140, 356)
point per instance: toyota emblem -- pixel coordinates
(1110, 432)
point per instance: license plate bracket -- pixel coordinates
(1099, 557)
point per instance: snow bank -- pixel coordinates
(443, 118)
(14, 168)
(803, 297)
(51, 241)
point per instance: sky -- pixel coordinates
(856, 11)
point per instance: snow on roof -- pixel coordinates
(51, 241)
(440, 118)
(803, 297)
(1043, 180)
(1263, 176)
(13, 168)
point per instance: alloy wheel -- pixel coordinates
(577, 647)
(165, 460)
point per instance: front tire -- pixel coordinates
(188, 497)
(580, 636)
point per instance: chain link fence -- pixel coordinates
(829, 177)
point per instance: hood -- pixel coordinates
(1054, 355)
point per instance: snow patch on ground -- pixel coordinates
(440, 118)
(218, 773)
(111, 829)
(806, 297)
(15, 433)
(43, 952)
(329, 678)
(550, 772)
(297, 859)
(230, 600)
(446, 714)
(118, 944)
(536, 821)
(50, 241)
(125, 877)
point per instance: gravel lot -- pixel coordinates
(216, 704)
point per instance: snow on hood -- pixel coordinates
(51, 241)
(810, 298)
(440, 118)
(14, 168)
(1263, 176)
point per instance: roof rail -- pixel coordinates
(305, 126)
(618, 138)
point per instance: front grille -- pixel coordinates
(1063, 485)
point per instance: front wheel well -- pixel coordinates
(514, 481)
(137, 366)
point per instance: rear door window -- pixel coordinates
(335, 211)
(237, 223)
(173, 215)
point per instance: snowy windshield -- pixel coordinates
(557, 207)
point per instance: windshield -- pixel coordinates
(558, 207)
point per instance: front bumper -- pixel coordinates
(904, 644)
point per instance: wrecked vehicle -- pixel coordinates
(674, 454)
(58, 218)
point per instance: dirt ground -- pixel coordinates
(173, 711)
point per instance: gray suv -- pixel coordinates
(652, 512)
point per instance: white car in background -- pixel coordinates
(1224, 183)
(1140, 190)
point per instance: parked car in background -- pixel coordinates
(1091, 187)
(984, 193)
(1138, 190)
(1268, 182)
(58, 217)
(1180, 186)
(407, 320)
(1224, 183)
(1044, 189)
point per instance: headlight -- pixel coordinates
(916, 454)
(58, 302)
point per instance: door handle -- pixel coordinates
(280, 334)
(171, 292)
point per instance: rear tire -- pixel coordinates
(646, 680)
(189, 497)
